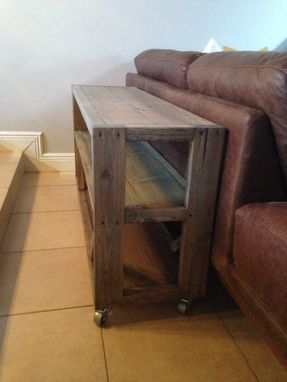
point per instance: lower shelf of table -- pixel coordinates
(150, 265)
(160, 293)
(148, 260)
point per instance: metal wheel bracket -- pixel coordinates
(101, 316)
(184, 306)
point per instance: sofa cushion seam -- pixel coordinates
(263, 228)
(238, 67)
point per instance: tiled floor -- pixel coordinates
(8, 164)
(11, 174)
(46, 327)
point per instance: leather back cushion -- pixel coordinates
(253, 79)
(166, 65)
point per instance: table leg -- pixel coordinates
(81, 179)
(202, 185)
(109, 197)
(79, 124)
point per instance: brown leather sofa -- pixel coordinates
(246, 92)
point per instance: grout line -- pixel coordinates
(48, 185)
(105, 356)
(53, 172)
(43, 212)
(42, 250)
(45, 311)
(234, 340)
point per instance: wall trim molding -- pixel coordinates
(31, 143)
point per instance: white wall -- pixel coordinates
(46, 45)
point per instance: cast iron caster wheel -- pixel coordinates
(184, 306)
(101, 316)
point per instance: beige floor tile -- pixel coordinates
(3, 194)
(174, 349)
(15, 186)
(44, 230)
(260, 358)
(4, 221)
(49, 179)
(50, 198)
(7, 199)
(5, 207)
(59, 346)
(37, 281)
(10, 156)
(7, 172)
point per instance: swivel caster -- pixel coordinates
(184, 306)
(101, 316)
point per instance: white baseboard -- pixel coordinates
(31, 143)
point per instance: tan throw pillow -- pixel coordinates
(230, 49)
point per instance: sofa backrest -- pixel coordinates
(166, 65)
(253, 79)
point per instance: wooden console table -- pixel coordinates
(131, 189)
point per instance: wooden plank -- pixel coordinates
(83, 150)
(79, 122)
(150, 180)
(147, 257)
(87, 223)
(180, 179)
(109, 203)
(78, 126)
(151, 294)
(150, 183)
(88, 112)
(163, 133)
(141, 214)
(204, 165)
(112, 106)
(80, 173)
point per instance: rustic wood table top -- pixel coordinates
(144, 115)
